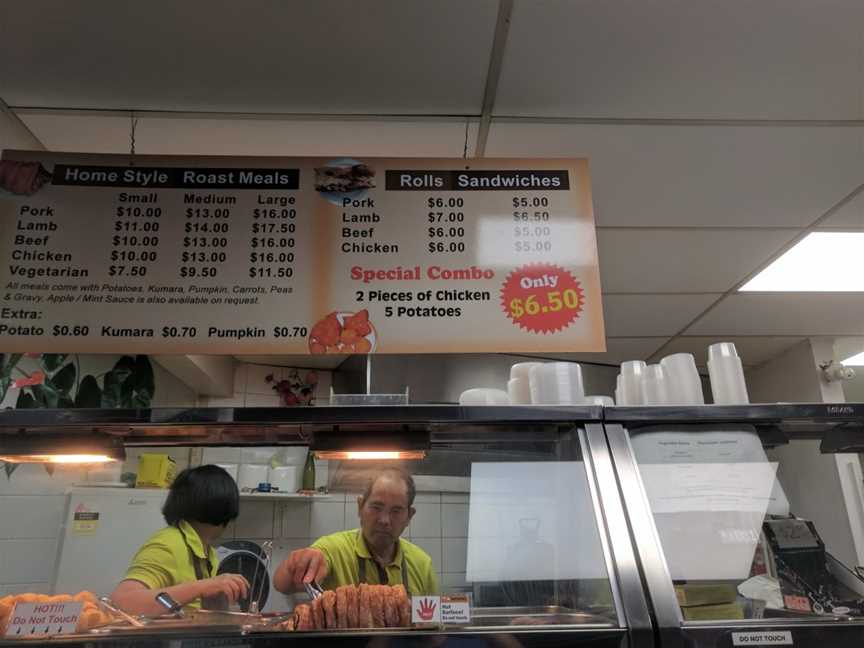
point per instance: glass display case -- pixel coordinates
(747, 520)
(516, 516)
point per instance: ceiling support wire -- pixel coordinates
(133, 125)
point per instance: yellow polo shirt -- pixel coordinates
(344, 551)
(164, 559)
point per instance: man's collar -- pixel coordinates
(363, 550)
(192, 539)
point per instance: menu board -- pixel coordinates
(109, 253)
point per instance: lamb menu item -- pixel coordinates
(354, 606)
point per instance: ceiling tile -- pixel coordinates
(800, 314)
(618, 350)
(295, 361)
(753, 351)
(327, 56)
(641, 315)
(311, 137)
(678, 58)
(643, 260)
(699, 176)
(850, 215)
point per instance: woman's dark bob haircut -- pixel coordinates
(206, 494)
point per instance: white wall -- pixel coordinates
(251, 388)
(441, 378)
(821, 488)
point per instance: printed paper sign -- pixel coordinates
(456, 609)
(770, 638)
(425, 609)
(85, 522)
(43, 619)
(297, 255)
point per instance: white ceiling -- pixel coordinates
(717, 132)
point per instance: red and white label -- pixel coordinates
(425, 609)
(43, 619)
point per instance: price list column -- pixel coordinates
(207, 232)
(135, 239)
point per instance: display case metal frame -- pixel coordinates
(833, 424)
(444, 424)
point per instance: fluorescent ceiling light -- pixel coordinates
(360, 455)
(854, 361)
(57, 459)
(821, 262)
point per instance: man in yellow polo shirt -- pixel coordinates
(375, 553)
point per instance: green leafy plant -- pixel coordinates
(55, 384)
(129, 384)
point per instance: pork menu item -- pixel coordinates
(22, 178)
(354, 606)
(344, 177)
(328, 602)
(91, 616)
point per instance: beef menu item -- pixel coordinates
(23, 178)
(346, 177)
(354, 606)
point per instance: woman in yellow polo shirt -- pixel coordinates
(180, 560)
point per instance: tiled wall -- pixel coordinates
(440, 527)
(251, 388)
(32, 503)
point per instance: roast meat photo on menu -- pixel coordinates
(343, 332)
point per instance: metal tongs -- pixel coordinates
(108, 604)
(256, 589)
(313, 589)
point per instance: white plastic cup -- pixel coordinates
(603, 401)
(251, 475)
(522, 370)
(557, 383)
(728, 386)
(484, 396)
(519, 391)
(655, 388)
(231, 469)
(685, 385)
(631, 382)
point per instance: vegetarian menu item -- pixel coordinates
(354, 606)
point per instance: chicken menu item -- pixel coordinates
(354, 606)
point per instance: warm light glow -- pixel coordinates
(820, 262)
(352, 455)
(57, 459)
(855, 361)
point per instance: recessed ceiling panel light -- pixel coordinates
(854, 361)
(821, 262)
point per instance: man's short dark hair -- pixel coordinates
(206, 494)
(396, 473)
